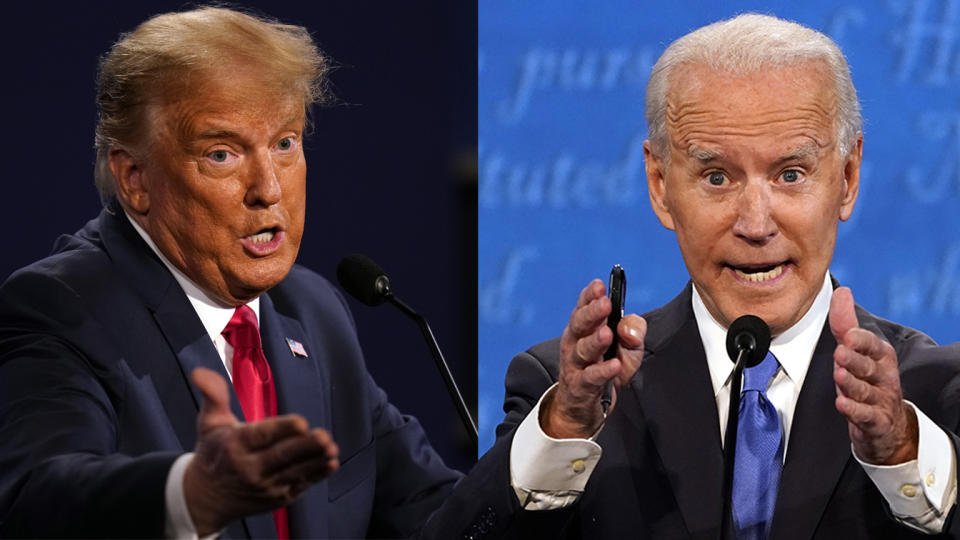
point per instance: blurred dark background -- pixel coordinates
(391, 166)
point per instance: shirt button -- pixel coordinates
(908, 491)
(578, 466)
(931, 479)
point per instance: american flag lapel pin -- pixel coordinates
(296, 348)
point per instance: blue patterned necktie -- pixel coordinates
(759, 454)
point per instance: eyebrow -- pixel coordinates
(225, 133)
(702, 154)
(801, 152)
(217, 134)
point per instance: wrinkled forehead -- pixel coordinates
(706, 107)
(236, 97)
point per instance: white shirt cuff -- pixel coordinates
(178, 523)
(920, 492)
(548, 473)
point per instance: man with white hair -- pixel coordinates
(846, 429)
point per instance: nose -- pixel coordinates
(755, 222)
(263, 185)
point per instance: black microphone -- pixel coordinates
(368, 283)
(752, 336)
(748, 340)
(363, 279)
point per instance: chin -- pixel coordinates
(777, 320)
(771, 313)
(253, 284)
(265, 283)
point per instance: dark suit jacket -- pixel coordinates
(97, 343)
(661, 471)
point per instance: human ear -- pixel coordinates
(656, 185)
(851, 179)
(128, 174)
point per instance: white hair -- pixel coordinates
(752, 43)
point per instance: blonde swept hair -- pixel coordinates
(169, 52)
(752, 43)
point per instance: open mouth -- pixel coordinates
(263, 237)
(759, 273)
(263, 242)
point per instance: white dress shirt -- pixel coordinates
(214, 317)
(548, 473)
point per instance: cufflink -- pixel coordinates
(908, 491)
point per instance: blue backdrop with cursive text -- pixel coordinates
(562, 193)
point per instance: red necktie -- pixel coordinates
(253, 381)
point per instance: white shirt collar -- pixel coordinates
(793, 348)
(212, 314)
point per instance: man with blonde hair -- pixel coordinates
(847, 428)
(118, 352)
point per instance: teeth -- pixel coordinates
(261, 238)
(757, 277)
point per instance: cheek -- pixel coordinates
(811, 222)
(187, 204)
(819, 239)
(700, 228)
(203, 223)
(294, 195)
(294, 205)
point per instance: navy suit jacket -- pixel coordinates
(661, 472)
(97, 343)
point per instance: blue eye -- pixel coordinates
(285, 144)
(219, 155)
(791, 176)
(716, 178)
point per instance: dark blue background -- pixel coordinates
(391, 168)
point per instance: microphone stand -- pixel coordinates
(730, 444)
(461, 406)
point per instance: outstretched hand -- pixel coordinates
(574, 409)
(883, 429)
(241, 469)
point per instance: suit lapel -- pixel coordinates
(184, 333)
(819, 449)
(299, 379)
(676, 402)
(301, 389)
(174, 316)
(190, 342)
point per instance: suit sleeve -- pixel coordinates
(412, 479)
(930, 380)
(484, 504)
(548, 473)
(948, 406)
(60, 472)
(390, 478)
(921, 502)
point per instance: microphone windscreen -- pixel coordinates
(748, 329)
(362, 278)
